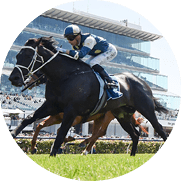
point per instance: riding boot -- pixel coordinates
(104, 75)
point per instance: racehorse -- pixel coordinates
(100, 123)
(73, 88)
(57, 119)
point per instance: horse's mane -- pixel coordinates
(50, 43)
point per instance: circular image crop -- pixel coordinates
(88, 92)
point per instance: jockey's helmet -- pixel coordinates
(71, 32)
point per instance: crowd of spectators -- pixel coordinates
(21, 101)
(29, 102)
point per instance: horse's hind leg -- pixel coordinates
(96, 126)
(94, 138)
(146, 108)
(95, 134)
(99, 129)
(124, 118)
(151, 116)
(157, 126)
(131, 130)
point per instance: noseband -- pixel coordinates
(30, 68)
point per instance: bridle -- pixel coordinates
(30, 67)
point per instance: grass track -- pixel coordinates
(91, 167)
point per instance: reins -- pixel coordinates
(34, 82)
(34, 60)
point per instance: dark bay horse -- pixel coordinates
(73, 88)
(100, 123)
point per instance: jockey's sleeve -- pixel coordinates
(79, 54)
(89, 43)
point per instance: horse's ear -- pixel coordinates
(39, 41)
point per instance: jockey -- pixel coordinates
(88, 44)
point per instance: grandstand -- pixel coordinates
(133, 47)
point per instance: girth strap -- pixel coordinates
(101, 104)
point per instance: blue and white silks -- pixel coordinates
(111, 93)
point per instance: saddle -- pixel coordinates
(106, 94)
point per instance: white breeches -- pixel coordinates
(107, 56)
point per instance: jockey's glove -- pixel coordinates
(61, 49)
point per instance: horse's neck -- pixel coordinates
(61, 67)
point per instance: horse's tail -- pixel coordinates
(159, 107)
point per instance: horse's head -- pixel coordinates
(36, 80)
(29, 60)
(24, 63)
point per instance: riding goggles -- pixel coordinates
(70, 37)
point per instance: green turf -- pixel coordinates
(91, 167)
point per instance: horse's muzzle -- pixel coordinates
(16, 79)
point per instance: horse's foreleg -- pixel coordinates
(40, 113)
(33, 142)
(48, 122)
(69, 116)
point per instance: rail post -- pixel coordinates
(128, 148)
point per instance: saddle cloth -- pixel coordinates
(106, 95)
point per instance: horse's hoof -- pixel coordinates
(34, 151)
(85, 152)
(13, 134)
(132, 154)
(82, 145)
(53, 152)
